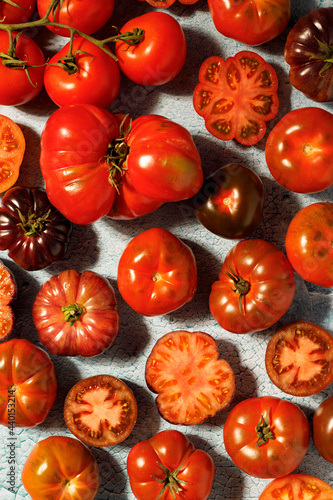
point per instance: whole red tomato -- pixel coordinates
(168, 465)
(60, 467)
(88, 75)
(8, 293)
(165, 4)
(159, 56)
(157, 273)
(250, 21)
(322, 426)
(256, 286)
(16, 12)
(76, 314)
(27, 383)
(309, 243)
(297, 487)
(12, 148)
(237, 96)
(266, 436)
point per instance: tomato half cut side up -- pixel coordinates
(12, 148)
(299, 358)
(297, 487)
(100, 410)
(8, 292)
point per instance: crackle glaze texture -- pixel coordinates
(98, 247)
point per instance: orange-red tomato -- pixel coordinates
(8, 292)
(297, 487)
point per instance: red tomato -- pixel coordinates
(8, 292)
(297, 487)
(157, 273)
(250, 21)
(17, 12)
(76, 314)
(167, 466)
(299, 154)
(15, 86)
(266, 436)
(309, 243)
(60, 467)
(12, 148)
(322, 426)
(255, 288)
(84, 15)
(237, 96)
(189, 389)
(165, 4)
(27, 383)
(95, 78)
(100, 410)
(160, 55)
(299, 358)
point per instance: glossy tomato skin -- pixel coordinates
(157, 273)
(309, 243)
(230, 202)
(12, 148)
(282, 452)
(61, 467)
(165, 4)
(173, 450)
(322, 426)
(299, 154)
(306, 54)
(44, 236)
(252, 22)
(16, 15)
(266, 295)
(90, 322)
(160, 55)
(27, 384)
(96, 82)
(297, 486)
(15, 87)
(237, 96)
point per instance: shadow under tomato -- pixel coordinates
(112, 479)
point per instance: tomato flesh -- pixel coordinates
(8, 292)
(12, 148)
(297, 487)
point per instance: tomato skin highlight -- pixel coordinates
(322, 427)
(297, 487)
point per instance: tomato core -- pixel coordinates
(308, 149)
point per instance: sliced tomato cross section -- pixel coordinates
(8, 292)
(297, 487)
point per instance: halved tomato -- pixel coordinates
(8, 292)
(12, 148)
(297, 487)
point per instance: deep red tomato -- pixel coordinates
(165, 4)
(167, 466)
(266, 436)
(27, 383)
(76, 314)
(299, 154)
(100, 410)
(255, 288)
(309, 243)
(91, 77)
(157, 273)
(297, 487)
(230, 202)
(61, 467)
(299, 358)
(12, 148)
(8, 292)
(15, 85)
(33, 231)
(189, 390)
(16, 12)
(322, 426)
(237, 96)
(250, 21)
(160, 55)
(84, 15)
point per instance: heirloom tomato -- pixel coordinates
(165, 4)
(256, 286)
(266, 436)
(12, 148)
(322, 426)
(157, 273)
(8, 292)
(309, 52)
(21, 77)
(299, 358)
(230, 202)
(168, 466)
(83, 15)
(76, 314)
(309, 243)
(27, 383)
(297, 487)
(191, 381)
(100, 410)
(237, 96)
(299, 154)
(252, 22)
(33, 231)
(159, 56)
(60, 468)
(16, 12)
(82, 72)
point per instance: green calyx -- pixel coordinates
(117, 154)
(241, 286)
(33, 225)
(327, 57)
(170, 481)
(263, 430)
(72, 313)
